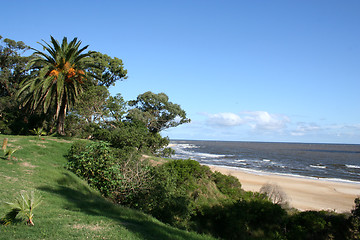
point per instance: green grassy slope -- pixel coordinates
(70, 208)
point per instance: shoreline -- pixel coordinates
(261, 173)
(304, 193)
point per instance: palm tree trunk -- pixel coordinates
(61, 118)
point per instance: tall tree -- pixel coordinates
(12, 65)
(106, 70)
(12, 71)
(56, 78)
(157, 112)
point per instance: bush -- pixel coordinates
(117, 173)
(187, 171)
(355, 220)
(96, 163)
(131, 134)
(175, 188)
(256, 219)
(318, 225)
(228, 185)
(274, 193)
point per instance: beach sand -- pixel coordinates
(303, 193)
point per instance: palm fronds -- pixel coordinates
(25, 204)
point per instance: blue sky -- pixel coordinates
(283, 71)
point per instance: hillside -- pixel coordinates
(70, 208)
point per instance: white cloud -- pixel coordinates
(225, 119)
(305, 128)
(262, 120)
(256, 120)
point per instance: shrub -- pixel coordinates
(117, 173)
(95, 163)
(131, 134)
(355, 220)
(274, 193)
(187, 171)
(166, 152)
(256, 219)
(174, 190)
(228, 185)
(318, 225)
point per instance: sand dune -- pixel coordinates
(303, 193)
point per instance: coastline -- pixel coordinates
(303, 193)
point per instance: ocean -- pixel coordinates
(338, 162)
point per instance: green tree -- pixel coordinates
(117, 107)
(12, 72)
(157, 112)
(12, 65)
(91, 104)
(95, 109)
(56, 78)
(106, 70)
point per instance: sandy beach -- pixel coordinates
(303, 193)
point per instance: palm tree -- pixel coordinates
(56, 79)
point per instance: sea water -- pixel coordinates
(338, 162)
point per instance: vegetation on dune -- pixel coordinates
(189, 196)
(103, 187)
(69, 207)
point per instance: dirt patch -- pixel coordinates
(153, 162)
(10, 179)
(28, 171)
(27, 165)
(90, 227)
(60, 140)
(37, 141)
(41, 145)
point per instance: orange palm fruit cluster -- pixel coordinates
(70, 72)
(54, 73)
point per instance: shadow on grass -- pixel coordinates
(80, 198)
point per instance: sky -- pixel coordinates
(255, 70)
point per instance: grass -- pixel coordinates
(70, 209)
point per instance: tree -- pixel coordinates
(117, 107)
(157, 112)
(12, 72)
(12, 65)
(95, 109)
(56, 78)
(106, 70)
(91, 104)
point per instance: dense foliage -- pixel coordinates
(156, 112)
(188, 195)
(118, 174)
(12, 73)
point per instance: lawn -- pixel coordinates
(70, 209)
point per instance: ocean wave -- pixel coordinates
(318, 166)
(352, 166)
(209, 155)
(183, 145)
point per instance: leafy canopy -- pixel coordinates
(12, 65)
(157, 112)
